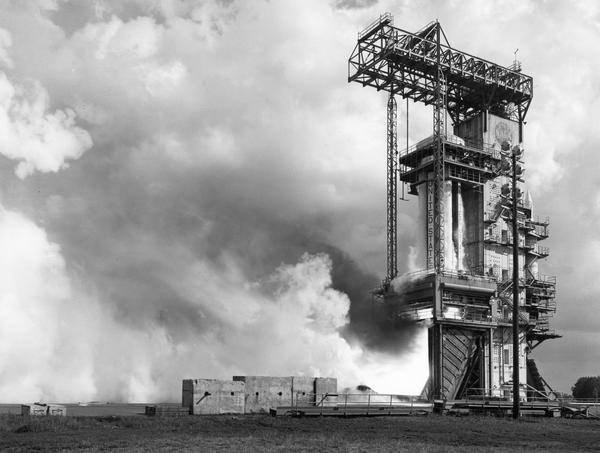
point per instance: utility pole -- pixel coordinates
(515, 316)
(514, 152)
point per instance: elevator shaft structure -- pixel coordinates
(464, 290)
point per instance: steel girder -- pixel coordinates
(392, 59)
(392, 189)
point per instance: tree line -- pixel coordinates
(587, 387)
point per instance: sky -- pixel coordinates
(192, 189)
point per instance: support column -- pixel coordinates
(515, 320)
(439, 132)
(392, 189)
(490, 379)
(435, 361)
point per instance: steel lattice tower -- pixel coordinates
(392, 189)
(439, 130)
(464, 290)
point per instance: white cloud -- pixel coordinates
(5, 44)
(214, 123)
(38, 139)
(60, 344)
(162, 80)
(137, 38)
(35, 297)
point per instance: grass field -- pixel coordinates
(264, 433)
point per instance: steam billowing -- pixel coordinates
(64, 344)
(207, 220)
(38, 139)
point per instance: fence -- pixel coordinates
(364, 404)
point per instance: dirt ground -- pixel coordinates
(265, 433)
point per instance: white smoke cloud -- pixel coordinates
(5, 44)
(35, 298)
(61, 344)
(227, 142)
(38, 139)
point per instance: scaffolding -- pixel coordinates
(413, 64)
(469, 298)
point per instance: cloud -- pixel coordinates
(5, 44)
(35, 300)
(351, 4)
(184, 233)
(63, 344)
(227, 144)
(39, 140)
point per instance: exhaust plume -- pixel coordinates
(77, 348)
(206, 233)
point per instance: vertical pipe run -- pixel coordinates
(515, 316)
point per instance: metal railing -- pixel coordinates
(383, 18)
(540, 250)
(543, 303)
(542, 291)
(540, 225)
(474, 146)
(470, 274)
(541, 230)
(420, 49)
(531, 245)
(467, 314)
(467, 275)
(539, 220)
(507, 301)
(542, 279)
(507, 317)
(364, 402)
(505, 393)
(516, 66)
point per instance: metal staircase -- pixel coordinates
(505, 295)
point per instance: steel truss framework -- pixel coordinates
(410, 64)
(439, 156)
(392, 189)
(422, 66)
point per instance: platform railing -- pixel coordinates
(477, 146)
(466, 314)
(475, 275)
(384, 18)
(344, 400)
(504, 393)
